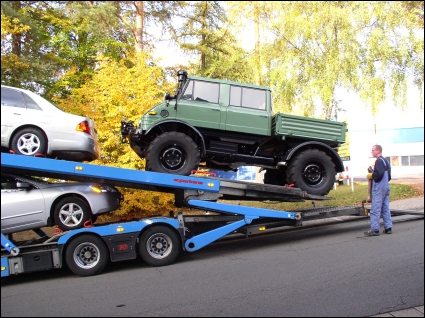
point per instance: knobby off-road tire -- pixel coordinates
(173, 152)
(86, 255)
(312, 171)
(159, 246)
(28, 142)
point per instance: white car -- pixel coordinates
(31, 125)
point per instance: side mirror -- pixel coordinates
(167, 97)
(22, 185)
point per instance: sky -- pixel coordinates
(360, 118)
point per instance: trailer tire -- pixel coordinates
(86, 255)
(312, 171)
(159, 246)
(172, 152)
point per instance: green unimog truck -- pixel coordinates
(223, 125)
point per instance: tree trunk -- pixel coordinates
(140, 17)
(203, 41)
(257, 43)
(16, 38)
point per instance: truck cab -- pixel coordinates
(216, 104)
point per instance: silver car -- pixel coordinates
(29, 203)
(31, 125)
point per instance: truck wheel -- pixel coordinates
(312, 171)
(173, 152)
(159, 246)
(71, 213)
(86, 255)
(275, 176)
(28, 142)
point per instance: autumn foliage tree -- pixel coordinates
(122, 89)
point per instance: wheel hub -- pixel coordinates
(71, 214)
(86, 255)
(29, 144)
(172, 158)
(159, 246)
(313, 174)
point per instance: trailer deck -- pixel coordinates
(158, 240)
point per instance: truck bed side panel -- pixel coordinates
(308, 128)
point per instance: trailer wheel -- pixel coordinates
(312, 171)
(159, 246)
(86, 255)
(172, 152)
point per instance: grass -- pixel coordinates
(343, 196)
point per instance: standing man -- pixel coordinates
(381, 194)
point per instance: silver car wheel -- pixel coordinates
(86, 255)
(29, 144)
(71, 214)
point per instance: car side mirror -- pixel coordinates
(23, 185)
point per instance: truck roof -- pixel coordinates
(228, 82)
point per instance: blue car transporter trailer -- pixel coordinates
(158, 240)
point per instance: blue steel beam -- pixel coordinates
(242, 210)
(70, 170)
(199, 241)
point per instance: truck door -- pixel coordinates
(247, 111)
(199, 105)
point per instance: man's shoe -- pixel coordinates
(388, 231)
(371, 233)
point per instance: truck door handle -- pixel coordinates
(264, 116)
(217, 110)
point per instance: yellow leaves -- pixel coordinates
(11, 25)
(127, 88)
(12, 62)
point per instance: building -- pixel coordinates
(403, 147)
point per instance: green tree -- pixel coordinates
(372, 48)
(204, 33)
(251, 13)
(121, 89)
(27, 58)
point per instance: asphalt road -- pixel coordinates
(326, 270)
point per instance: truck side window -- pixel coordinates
(248, 97)
(254, 98)
(11, 98)
(188, 93)
(235, 95)
(206, 92)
